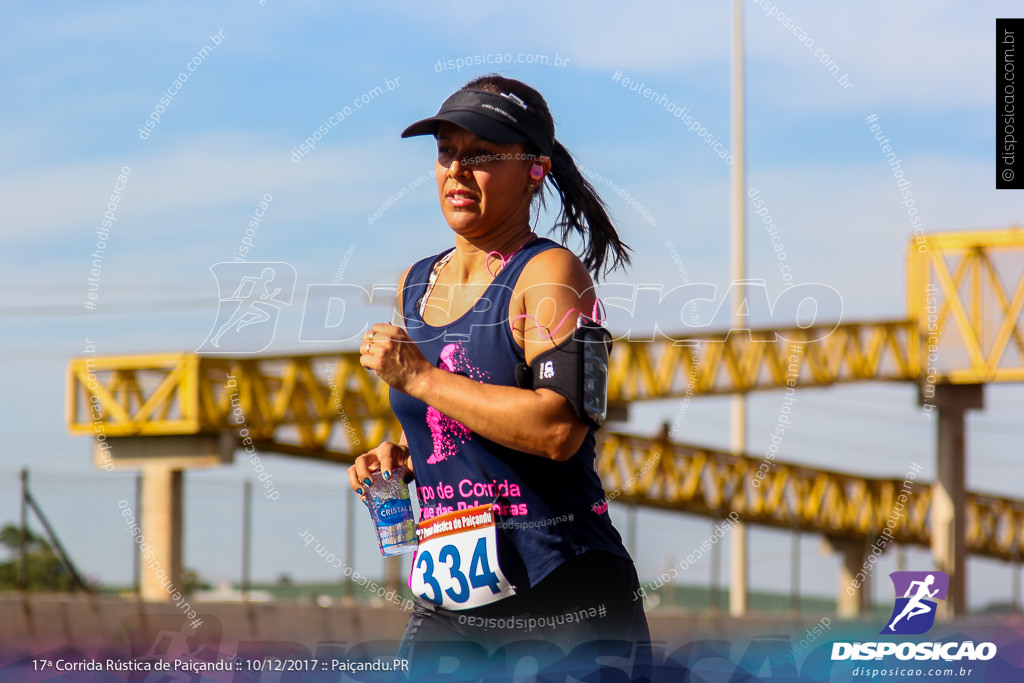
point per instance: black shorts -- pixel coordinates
(584, 612)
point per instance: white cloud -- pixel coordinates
(200, 175)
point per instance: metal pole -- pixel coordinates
(1015, 581)
(62, 554)
(794, 572)
(716, 570)
(246, 537)
(866, 602)
(738, 534)
(136, 552)
(631, 528)
(350, 544)
(23, 532)
(670, 589)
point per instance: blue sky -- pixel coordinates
(79, 80)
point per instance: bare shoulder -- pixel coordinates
(553, 290)
(401, 286)
(402, 278)
(559, 268)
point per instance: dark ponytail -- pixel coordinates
(582, 210)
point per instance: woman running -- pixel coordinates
(499, 394)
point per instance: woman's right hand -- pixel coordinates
(384, 458)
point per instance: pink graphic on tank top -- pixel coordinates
(447, 433)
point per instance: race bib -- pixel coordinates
(456, 565)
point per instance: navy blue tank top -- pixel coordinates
(548, 511)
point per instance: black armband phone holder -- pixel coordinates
(577, 369)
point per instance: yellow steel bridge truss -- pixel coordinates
(965, 295)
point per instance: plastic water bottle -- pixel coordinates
(391, 512)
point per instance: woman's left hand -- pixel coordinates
(389, 352)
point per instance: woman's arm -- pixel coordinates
(551, 291)
(388, 455)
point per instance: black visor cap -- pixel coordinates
(498, 118)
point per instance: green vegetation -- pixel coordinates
(44, 570)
